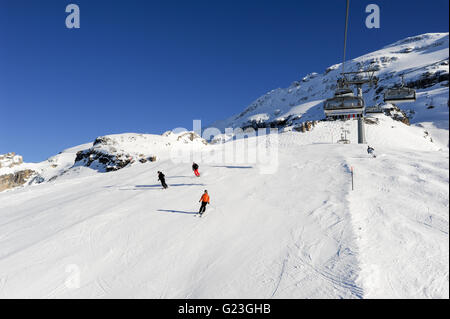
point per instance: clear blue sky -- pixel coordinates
(150, 66)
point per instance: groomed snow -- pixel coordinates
(300, 232)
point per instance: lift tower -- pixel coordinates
(344, 104)
(358, 79)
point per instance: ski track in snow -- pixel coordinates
(397, 245)
(299, 233)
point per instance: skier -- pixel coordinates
(371, 151)
(162, 178)
(195, 169)
(205, 201)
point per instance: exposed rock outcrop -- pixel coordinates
(114, 152)
(397, 114)
(277, 123)
(103, 161)
(10, 160)
(185, 137)
(305, 126)
(15, 179)
(430, 79)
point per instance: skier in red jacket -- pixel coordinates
(195, 169)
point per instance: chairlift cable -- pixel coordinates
(345, 34)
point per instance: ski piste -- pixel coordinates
(325, 240)
(208, 210)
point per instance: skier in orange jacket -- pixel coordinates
(205, 201)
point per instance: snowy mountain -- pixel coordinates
(292, 215)
(105, 154)
(423, 60)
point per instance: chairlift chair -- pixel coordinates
(343, 104)
(400, 95)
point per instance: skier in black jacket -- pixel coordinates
(371, 151)
(162, 178)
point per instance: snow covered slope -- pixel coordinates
(423, 60)
(108, 153)
(300, 232)
(283, 222)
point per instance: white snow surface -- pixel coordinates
(297, 232)
(132, 145)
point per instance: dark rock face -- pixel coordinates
(16, 179)
(114, 152)
(102, 160)
(143, 159)
(278, 123)
(428, 80)
(398, 115)
(371, 121)
(109, 162)
(305, 126)
(103, 140)
(292, 120)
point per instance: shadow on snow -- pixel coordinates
(229, 166)
(176, 211)
(170, 185)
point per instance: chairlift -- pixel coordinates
(374, 109)
(344, 139)
(400, 95)
(343, 91)
(343, 105)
